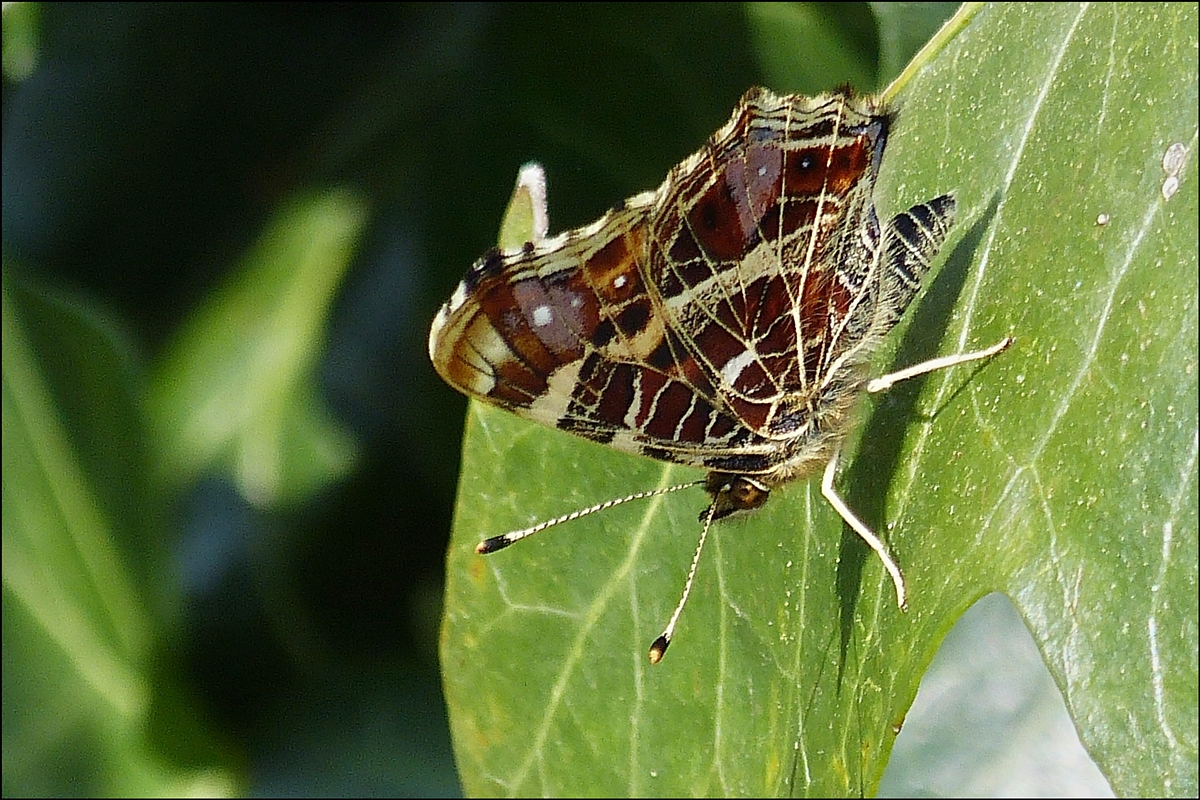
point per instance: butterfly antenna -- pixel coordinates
(659, 648)
(500, 542)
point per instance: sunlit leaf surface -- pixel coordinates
(1063, 474)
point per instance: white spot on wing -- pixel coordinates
(635, 404)
(552, 406)
(542, 316)
(734, 366)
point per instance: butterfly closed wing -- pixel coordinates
(724, 320)
(721, 321)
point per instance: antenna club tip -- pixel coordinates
(491, 545)
(659, 649)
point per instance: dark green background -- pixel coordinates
(294, 641)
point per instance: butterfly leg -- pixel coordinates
(885, 382)
(873, 541)
(878, 385)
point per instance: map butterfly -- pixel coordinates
(724, 320)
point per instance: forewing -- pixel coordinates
(748, 238)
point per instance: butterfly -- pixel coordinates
(725, 320)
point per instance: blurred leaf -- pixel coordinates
(20, 40)
(78, 683)
(1062, 474)
(838, 39)
(904, 28)
(236, 384)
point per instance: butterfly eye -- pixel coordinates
(748, 494)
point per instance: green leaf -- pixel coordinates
(81, 568)
(235, 387)
(839, 44)
(20, 40)
(904, 28)
(1063, 473)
